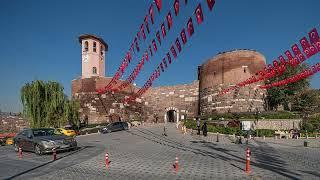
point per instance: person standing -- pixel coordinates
(204, 129)
(198, 125)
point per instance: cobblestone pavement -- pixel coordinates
(143, 153)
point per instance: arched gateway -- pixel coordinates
(171, 115)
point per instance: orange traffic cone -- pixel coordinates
(107, 159)
(176, 165)
(248, 153)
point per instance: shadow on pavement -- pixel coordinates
(49, 162)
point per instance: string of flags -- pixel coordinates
(156, 42)
(134, 48)
(174, 50)
(309, 48)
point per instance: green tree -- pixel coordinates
(45, 105)
(284, 95)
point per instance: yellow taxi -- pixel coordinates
(9, 141)
(67, 132)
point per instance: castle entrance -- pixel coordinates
(171, 115)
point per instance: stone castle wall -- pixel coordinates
(225, 70)
(183, 99)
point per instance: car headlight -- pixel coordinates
(48, 143)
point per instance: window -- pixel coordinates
(244, 70)
(94, 70)
(101, 50)
(86, 46)
(94, 47)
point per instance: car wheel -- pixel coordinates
(37, 149)
(16, 147)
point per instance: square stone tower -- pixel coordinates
(93, 55)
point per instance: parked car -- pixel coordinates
(67, 132)
(115, 126)
(9, 141)
(43, 140)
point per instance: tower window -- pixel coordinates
(94, 47)
(94, 70)
(101, 50)
(86, 46)
(244, 70)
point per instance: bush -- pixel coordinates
(264, 132)
(253, 115)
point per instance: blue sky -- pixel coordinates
(39, 37)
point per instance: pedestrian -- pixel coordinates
(198, 125)
(164, 131)
(204, 129)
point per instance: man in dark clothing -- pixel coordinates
(205, 129)
(198, 126)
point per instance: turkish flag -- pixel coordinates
(176, 6)
(314, 36)
(147, 24)
(282, 60)
(169, 58)
(211, 4)
(138, 35)
(178, 45)
(190, 27)
(308, 49)
(158, 71)
(173, 51)
(289, 56)
(158, 4)
(164, 62)
(150, 49)
(129, 57)
(158, 37)
(151, 13)
(163, 30)
(183, 36)
(142, 32)
(137, 45)
(146, 55)
(161, 67)
(154, 45)
(297, 52)
(169, 19)
(199, 14)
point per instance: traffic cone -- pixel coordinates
(20, 152)
(54, 153)
(107, 159)
(248, 154)
(176, 164)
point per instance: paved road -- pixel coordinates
(143, 153)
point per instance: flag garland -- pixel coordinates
(163, 64)
(278, 68)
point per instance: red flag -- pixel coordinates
(211, 4)
(147, 24)
(158, 37)
(290, 58)
(146, 55)
(169, 58)
(138, 35)
(161, 67)
(154, 45)
(164, 62)
(183, 36)
(282, 60)
(173, 51)
(169, 19)
(297, 52)
(190, 27)
(142, 31)
(150, 49)
(199, 14)
(163, 30)
(176, 5)
(178, 45)
(308, 49)
(129, 57)
(185, 1)
(158, 4)
(314, 36)
(137, 45)
(132, 47)
(151, 13)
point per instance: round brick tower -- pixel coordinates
(225, 70)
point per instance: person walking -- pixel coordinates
(204, 129)
(198, 125)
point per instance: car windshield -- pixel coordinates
(43, 132)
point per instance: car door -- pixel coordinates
(116, 126)
(29, 141)
(21, 138)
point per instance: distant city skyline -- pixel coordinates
(40, 38)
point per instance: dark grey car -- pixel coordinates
(115, 126)
(43, 140)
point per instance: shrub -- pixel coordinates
(264, 132)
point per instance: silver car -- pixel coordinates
(43, 140)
